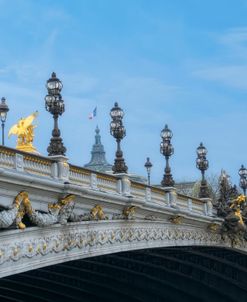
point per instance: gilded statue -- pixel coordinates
(234, 220)
(238, 201)
(25, 133)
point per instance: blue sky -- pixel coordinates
(183, 63)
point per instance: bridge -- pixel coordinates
(106, 214)
(59, 220)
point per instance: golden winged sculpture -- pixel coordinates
(25, 133)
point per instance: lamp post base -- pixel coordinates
(167, 181)
(119, 166)
(56, 147)
(204, 191)
(2, 133)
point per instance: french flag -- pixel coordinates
(93, 114)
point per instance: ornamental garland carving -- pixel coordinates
(80, 238)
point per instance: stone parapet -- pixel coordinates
(57, 168)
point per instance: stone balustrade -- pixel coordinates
(106, 182)
(7, 158)
(58, 169)
(80, 176)
(25, 162)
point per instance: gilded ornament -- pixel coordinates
(176, 219)
(118, 237)
(58, 212)
(129, 212)
(30, 248)
(24, 130)
(69, 242)
(234, 224)
(97, 213)
(213, 227)
(66, 200)
(14, 214)
(21, 226)
(238, 201)
(238, 213)
(15, 251)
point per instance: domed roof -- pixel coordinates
(98, 161)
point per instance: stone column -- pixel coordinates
(148, 194)
(124, 184)
(171, 196)
(19, 162)
(93, 181)
(208, 206)
(60, 167)
(190, 205)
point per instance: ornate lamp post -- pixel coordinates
(167, 150)
(202, 165)
(55, 105)
(117, 130)
(3, 113)
(148, 165)
(243, 178)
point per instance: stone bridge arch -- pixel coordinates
(190, 274)
(39, 247)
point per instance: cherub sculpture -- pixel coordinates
(25, 133)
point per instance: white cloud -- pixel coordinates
(235, 35)
(234, 76)
(231, 69)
